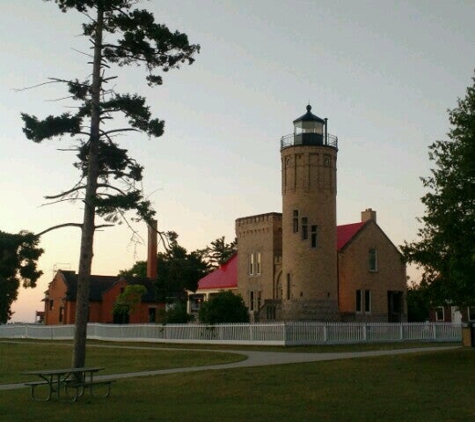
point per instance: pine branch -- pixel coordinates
(75, 189)
(60, 226)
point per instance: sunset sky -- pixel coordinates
(383, 72)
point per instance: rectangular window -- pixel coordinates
(51, 304)
(288, 286)
(251, 264)
(439, 313)
(258, 263)
(373, 259)
(254, 301)
(471, 313)
(270, 311)
(359, 301)
(61, 314)
(314, 236)
(304, 228)
(152, 314)
(367, 301)
(296, 221)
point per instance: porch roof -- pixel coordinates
(225, 277)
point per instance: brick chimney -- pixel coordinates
(368, 214)
(152, 250)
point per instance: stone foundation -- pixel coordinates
(325, 310)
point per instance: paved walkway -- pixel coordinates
(253, 359)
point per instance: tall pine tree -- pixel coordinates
(120, 35)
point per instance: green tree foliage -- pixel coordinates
(445, 249)
(19, 254)
(176, 314)
(120, 35)
(224, 307)
(128, 301)
(219, 252)
(139, 269)
(177, 270)
(418, 302)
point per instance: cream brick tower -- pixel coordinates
(309, 255)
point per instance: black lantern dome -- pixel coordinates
(310, 130)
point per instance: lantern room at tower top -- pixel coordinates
(310, 130)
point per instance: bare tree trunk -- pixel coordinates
(87, 238)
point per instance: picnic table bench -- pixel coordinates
(71, 381)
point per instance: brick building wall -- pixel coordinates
(55, 305)
(60, 308)
(372, 265)
(259, 241)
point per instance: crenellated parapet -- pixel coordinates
(258, 224)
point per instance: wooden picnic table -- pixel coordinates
(72, 381)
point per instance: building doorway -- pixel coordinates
(395, 306)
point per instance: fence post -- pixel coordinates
(325, 333)
(401, 331)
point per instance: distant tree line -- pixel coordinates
(179, 271)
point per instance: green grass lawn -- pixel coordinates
(22, 356)
(426, 386)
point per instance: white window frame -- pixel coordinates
(251, 264)
(373, 268)
(258, 263)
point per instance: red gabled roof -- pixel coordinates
(345, 233)
(225, 277)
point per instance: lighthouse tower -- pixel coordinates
(309, 254)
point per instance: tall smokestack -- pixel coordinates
(152, 250)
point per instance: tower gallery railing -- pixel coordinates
(308, 139)
(276, 334)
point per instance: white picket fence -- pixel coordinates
(276, 334)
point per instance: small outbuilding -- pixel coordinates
(60, 299)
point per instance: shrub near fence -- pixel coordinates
(270, 334)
